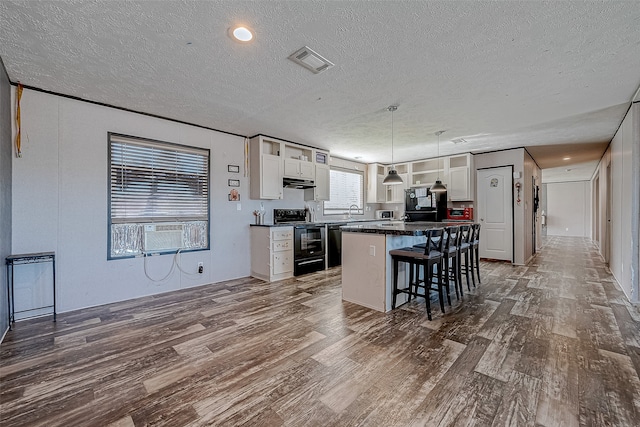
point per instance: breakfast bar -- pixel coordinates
(367, 269)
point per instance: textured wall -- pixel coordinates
(5, 190)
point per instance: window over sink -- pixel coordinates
(346, 190)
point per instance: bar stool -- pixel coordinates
(427, 258)
(450, 259)
(466, 232)
(474, 251)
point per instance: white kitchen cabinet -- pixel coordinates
(323, 182)
(376, 191)
(395, 192)
(302, 169)
(424, 173)
(461, 180)
(265, 168)
(298, 161)
(271, 252)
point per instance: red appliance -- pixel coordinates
(465, 214)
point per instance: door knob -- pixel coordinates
(482, 219)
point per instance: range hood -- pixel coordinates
(297, 183)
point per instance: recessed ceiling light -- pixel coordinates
(241, 34)
(566, 158)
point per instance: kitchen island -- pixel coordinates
(367, 268)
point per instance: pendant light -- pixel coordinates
(392, 178)
(438, 187)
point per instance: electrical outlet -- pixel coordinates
(372, 250)
(200, 267)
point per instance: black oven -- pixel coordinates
(308, 240)
(309, 248)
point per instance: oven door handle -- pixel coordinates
(313, 261)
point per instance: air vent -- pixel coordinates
(310, 60)
(459, 141)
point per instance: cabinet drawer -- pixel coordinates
(282, 262)
(282, 233)
(281, 245)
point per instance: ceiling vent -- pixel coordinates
(459, 141)
(310, 60)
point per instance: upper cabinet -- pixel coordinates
(298, 162)
(424, 173)
(455, 172)
(266, 168)
(376, 193)
(461, 180)
(322, 178)
(271, 160)
(395, 192)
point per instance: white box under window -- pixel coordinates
(159, 237)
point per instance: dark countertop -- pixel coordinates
(397, 228)
(329, 222)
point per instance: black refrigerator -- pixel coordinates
(420, 204)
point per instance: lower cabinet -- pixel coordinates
(271, 252)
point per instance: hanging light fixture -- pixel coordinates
(392, 178)
(438, 187)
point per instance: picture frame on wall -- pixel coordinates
(234, 183)
(234, 196)
(233, 168)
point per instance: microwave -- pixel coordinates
(465, 214)
(384, 214)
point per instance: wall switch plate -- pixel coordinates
(372, 250)
(239, 207)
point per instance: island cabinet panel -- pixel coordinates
(367, 268)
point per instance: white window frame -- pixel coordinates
(328, 209)
(155, 182)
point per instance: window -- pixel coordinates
(158, 197)
(347, 189)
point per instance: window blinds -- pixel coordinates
(347, 188)
(153, 181)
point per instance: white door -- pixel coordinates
(495, 213)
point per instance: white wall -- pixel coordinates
(60, 204)
(6, 144)
(620, 237)
(568, 208)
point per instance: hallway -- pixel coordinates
(551, 344)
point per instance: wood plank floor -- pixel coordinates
(554, 343)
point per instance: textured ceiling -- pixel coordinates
(498, 74)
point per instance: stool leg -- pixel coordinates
(478, 264)
(411, 278)
(428, 278)
(466, 270)
(473, 277)
(395, 283)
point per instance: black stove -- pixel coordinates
(308, 240)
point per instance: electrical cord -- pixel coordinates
(177, 258)
(176, 263)
(157, 280)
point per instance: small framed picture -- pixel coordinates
(233, 168)
(234, 196)
(234, 183)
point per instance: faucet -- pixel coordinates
(351, 216)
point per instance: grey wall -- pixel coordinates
(568, 208)
(5, 191)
